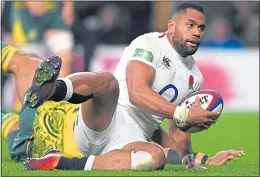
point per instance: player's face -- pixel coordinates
(189, 30)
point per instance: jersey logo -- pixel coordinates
(145, 54)
(170, 87)
(166, 62)
(32, 34)
(191, 82)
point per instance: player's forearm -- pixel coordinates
(180, 138)
(172, 157)
(148, 100)
(173, 153)
(177, 140)
(161, 137)
(19, 60)
(178, 148)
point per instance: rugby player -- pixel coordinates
(33, 22)
(115, 127)
(51, 125)
(33, 132)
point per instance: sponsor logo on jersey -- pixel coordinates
(191, 82)
(144, 54)
(166, 62)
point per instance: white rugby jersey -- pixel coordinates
(176, 77)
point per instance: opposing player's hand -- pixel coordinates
(197, 115)
(189, 163)
(200, 168)
(222, 157)
(36, 8)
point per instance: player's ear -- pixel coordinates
(171, 26)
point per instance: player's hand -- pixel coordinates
(200, 168)
(188, 161)
(36, 8)
(197, 115)
(68, 12)
(222, 157)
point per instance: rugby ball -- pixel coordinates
(210, 100)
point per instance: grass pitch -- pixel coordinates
(232, 131)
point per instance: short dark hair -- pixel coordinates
(182, 7)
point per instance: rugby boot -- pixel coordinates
(44, 82)
(54, 160)
(49, 161)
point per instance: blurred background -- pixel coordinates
(93, 34)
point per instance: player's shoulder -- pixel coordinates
(152, 37)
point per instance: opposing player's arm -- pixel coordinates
(7, 53)
(12, 58)
(140, 76)
(68, 12)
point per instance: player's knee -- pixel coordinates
(158, 156)
(113, 85)
(107, 75)
(144, 160)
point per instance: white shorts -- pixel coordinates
(122, 131)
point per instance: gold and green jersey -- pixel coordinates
(49, 126)
(27, 28)
(20, 5)
(7, 52)
(53, 127)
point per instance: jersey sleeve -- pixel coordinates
(145, 50)
(7, 52)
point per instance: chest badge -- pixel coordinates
(191, 82)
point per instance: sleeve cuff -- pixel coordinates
(144, 61)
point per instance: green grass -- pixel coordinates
(232, 131)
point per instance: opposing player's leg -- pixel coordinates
(59, 39)
(9, 123)
(61, 44)
(17, 129)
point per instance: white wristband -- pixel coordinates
(180, 114)
(69, 85)
(89, 163)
